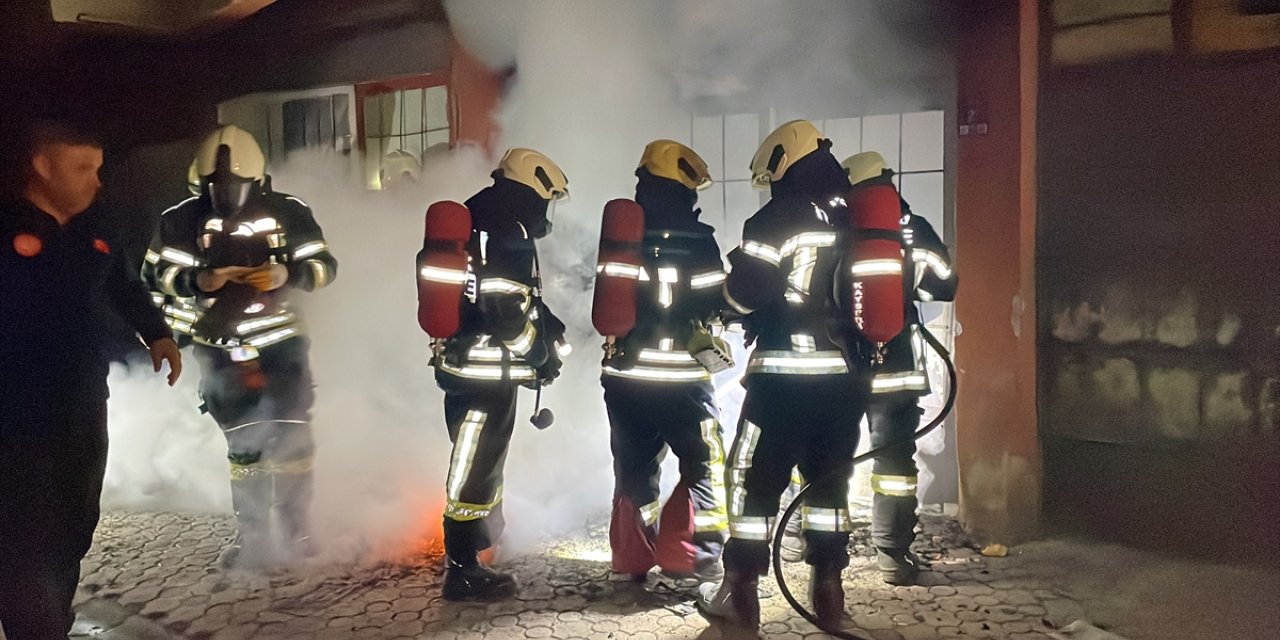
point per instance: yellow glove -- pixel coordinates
(712, 352)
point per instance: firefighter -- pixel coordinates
(658, 395)
(894, 412)
(806, 381)
(507, 338)
(61, 267)
(898, 383)
(237, 252)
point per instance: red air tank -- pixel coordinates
(442, 268)
(618, 266)
(875, 262)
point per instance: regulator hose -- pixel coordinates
(799, 498)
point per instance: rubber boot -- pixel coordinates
(898, 566)
(793, 544)
(293, 492)
(251, 501)
(471, 581)
(826, 593)
(733, 603)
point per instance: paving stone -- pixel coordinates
(979, 630)
(404, 628)
(1020, 626)
(160, 607)
(139, 595)
(774, 627)
(606, 626)
(241, 632)
(1061, 611)
(917, 632)
(937, 618)
(1001, 614)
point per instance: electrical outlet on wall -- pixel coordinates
(973, 121)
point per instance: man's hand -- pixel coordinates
(165, 349)
(267, 277)
(210, 280)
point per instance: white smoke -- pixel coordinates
(595, 81)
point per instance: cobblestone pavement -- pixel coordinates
(153, 575)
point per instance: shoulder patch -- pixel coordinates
(27, 245)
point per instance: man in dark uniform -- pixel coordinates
(57, 268)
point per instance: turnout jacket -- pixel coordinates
(507, 333)
(272, 227)
(780, 278)
(680, 283)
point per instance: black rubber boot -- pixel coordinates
(474, 582)
(293, 492)
(826, 593)
(251, 501)
(733, 603)
(898, 566)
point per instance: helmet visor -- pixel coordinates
(229, 194)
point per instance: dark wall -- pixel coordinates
(137, 90)
(1158, 244)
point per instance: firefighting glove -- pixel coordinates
(627, 348)
(550, 369)
(210, 280)
(550, 335)
(267, 277)
(712, 352)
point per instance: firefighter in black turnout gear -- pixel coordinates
(900, 381)
(224, 263)
(657, 394)
(806, 383)
(507, 339)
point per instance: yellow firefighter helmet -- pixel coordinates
(245, 159)
(537, 171)
(781, 149)
(674, 161)
(864, 166)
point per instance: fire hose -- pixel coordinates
(799, 498)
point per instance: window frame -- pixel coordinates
(373, 89)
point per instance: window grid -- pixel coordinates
(407, 115)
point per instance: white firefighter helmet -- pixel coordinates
(537, 171)
(781, 149)
(674, 161)
(399, 164)
(864, 166)
(245, 159)
(193, 179)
